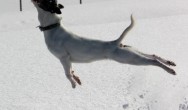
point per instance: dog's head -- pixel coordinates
(48, 5)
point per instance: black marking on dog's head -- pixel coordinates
(50, 5)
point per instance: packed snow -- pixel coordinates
(31, 78)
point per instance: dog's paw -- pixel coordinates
(76, 78)
(73, 84)
(171, 71)
(170, 63)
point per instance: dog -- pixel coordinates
(70, 48)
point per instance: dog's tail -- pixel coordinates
(118, 41)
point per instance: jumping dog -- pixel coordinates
(70, 48)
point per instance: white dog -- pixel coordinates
(69, 48)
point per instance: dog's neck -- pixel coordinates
(47, 18)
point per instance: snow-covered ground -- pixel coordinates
(33, 79)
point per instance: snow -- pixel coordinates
(33, 79)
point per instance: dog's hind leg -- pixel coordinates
(162, 60)
(130, 56)
(153, 57)
(65, 61)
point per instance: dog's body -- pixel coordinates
(69, 48)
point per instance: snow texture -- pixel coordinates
(33, 79)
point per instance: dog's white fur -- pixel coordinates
(69, 48)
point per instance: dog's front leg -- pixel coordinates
(65, 61)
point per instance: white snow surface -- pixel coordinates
(31, 78)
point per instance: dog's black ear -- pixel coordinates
(60, 6)
(57, 10)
